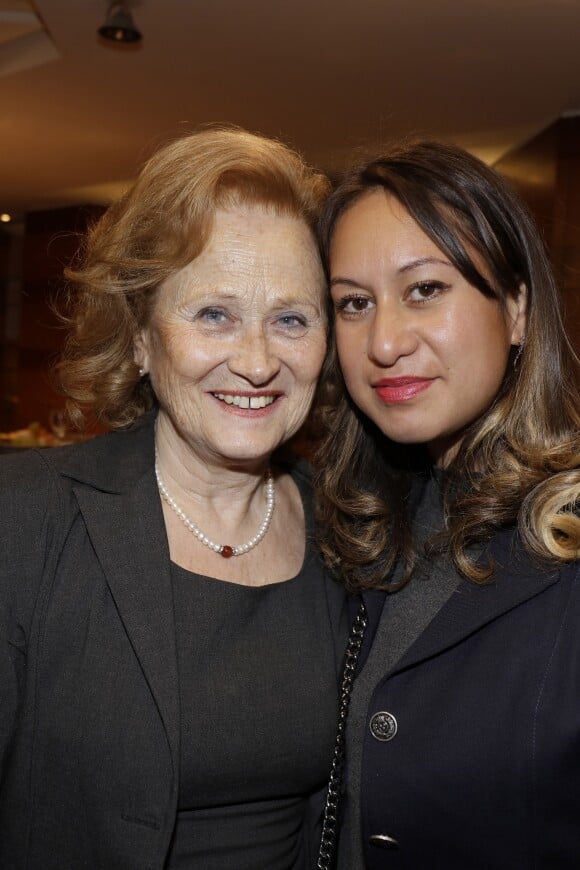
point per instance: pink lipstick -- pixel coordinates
(394, 390)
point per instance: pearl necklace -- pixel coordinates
(224, 550)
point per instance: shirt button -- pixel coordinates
(383, 726)
(384, 841)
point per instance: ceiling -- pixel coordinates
(334, 79)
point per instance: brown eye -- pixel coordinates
(426, 290)
(353, 305)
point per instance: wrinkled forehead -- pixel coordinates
(252, 251)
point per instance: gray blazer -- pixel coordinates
(89, 702)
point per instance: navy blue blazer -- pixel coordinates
(483, 772)
(89, 701)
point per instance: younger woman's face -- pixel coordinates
(423, 352)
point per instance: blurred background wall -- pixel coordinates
(79, 114)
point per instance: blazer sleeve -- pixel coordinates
(29, 510)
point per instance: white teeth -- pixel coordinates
(254, 402)
(261, 401)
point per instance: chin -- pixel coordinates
(245, 455)
(406, 434)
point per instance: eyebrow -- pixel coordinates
(277, 303)
(356, 285)
(424, 261)
(406, 267)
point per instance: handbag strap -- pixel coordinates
(330, 819)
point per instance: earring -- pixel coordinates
(520, 348)
(141, 372)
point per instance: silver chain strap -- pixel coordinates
(330, 819)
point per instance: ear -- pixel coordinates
(141, 351)
(517, 307)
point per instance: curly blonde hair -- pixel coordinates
(157, 228)
(519, 463)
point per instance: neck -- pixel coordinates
(208, 477)
(224, 549)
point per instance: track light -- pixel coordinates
(119, 25)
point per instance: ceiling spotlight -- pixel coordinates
(5, 218)
(119, 25)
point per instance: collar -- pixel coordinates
(111, 463)
(519, 576)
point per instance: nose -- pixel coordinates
(254, 358)
(392, 335)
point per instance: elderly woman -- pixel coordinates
(170, 643)
(450, 486)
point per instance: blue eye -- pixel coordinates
(292, 320)
(212, 315)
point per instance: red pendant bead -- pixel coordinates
(224, 550)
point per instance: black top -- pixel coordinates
(258, 670)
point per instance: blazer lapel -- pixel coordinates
(519, 577)
(127, 531)
(374, 601)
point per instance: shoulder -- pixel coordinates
(32, 508)
(37, 500)
(570, 571)
(26, 478)
(509, 552)
(110, 462)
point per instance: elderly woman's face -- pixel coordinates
(423, 352)
(237, 338)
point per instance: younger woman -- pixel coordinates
(449, 489)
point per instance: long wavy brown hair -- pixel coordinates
(518, 465)
(157, 228)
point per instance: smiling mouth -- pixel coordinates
(253, 403)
